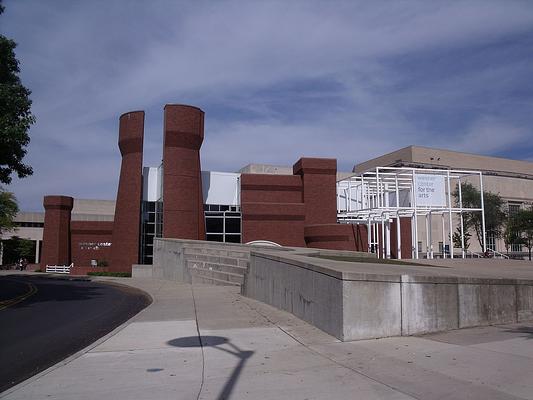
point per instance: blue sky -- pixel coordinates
(277, 80)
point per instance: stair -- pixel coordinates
(216, 266)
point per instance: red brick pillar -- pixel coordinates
(56, 234)
(126, 225)
(405, 237)
(183, 213)
(319, 177)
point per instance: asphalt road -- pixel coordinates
(43, 320)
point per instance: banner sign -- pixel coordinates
(430, 190)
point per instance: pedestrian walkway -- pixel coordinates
(208, 342)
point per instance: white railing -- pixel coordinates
(472, 254)
(497, 254)
(59, 269)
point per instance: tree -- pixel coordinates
(495, 217)
(17, 248)
(522, 224)
(15, 121)
(456, 238)
(8, 210)
(15, 114)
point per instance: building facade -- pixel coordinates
(291, 206)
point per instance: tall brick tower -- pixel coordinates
(126, 226)
(183, 214)
(56, 234)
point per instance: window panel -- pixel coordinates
(214, 225)
(233, 225)
(215, 238)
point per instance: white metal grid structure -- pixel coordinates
(379, 196)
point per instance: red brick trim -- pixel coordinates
(187, 140)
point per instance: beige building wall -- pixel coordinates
(511, 179)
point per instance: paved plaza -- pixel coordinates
(249, 350)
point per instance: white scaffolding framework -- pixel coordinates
(377, 198)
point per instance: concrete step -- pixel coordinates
(217, 266)
(221, 275)
(212, 281)
(217, 252)
(241, 262)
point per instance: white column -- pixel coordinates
(427, 236)
(382, 255)
(450, 213)
(463, 254)
(430, 216)
(415, 217)
(37, 251)
(387, 237)
(483, 213)
(369, 234)
(443, 236)
(398, 238)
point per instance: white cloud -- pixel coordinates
(88, 62)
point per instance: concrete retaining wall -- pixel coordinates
(351, 305)
(211, 262)
(200, 261)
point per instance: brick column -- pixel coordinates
(126, 226)
(183, 214)
(319, 176)
(56, 234)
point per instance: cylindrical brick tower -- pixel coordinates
(126, 225)
(56, 234)
(183, 214)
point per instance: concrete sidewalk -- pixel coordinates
(249, 350)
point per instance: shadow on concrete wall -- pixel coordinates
(218, 342)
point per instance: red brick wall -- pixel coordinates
(405, 236)
(126, 229)
(88, 242)
(56, 233)
(272, 209)
(262, 188)
(183, 213)
(337, 237)
(319, 176)
(282, 223)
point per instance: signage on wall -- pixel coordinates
(93, 245)
(430, 190)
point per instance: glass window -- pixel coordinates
(214, 224)
(513, 208)
(491, 241)
(215, 238)
(149, 228)
(233, 225)
(233, 238)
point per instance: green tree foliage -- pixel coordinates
(8, 210)
(15, 114)
(17, 248)
(15, 121)
(522, 225)
(510, 236)
(495, 217)
(457, 239)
